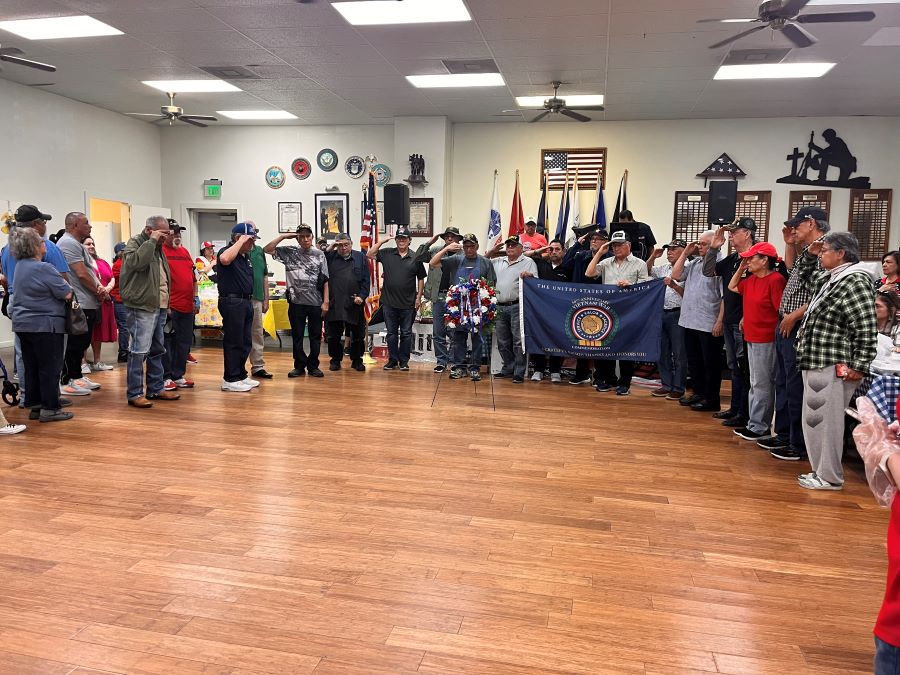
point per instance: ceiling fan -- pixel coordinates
(13, 55)
(784, 15)
(558, 106)
(173, 113)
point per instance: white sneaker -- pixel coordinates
(100, 366)
(85, 369)
(816, 483)
(240, 385)
(85, 383)
(10, 429)
(537, 377)
(71, 389)
(555, 378)
(250, 382)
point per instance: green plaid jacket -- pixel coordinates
(841, 328)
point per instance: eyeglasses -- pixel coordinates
(826, 249)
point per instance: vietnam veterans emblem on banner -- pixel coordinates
(593, 321)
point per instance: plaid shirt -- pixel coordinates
(797, 292)
(841, 327)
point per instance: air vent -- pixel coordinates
(744, 57)
(231, 72)
(469, 67)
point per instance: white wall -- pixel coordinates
(56, 150)
(662, 157)
(239, 156)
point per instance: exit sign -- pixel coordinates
(212, 188)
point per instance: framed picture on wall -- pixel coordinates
(332, 214)
(380, 208)
(290, 215)
(421, 216)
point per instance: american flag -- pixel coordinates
(590, 163)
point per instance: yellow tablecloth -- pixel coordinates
(277, 317)
(209, 316)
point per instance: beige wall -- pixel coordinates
(661, 157)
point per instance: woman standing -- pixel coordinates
(890, 267)
(206, 263)
(38, 312)
(105, 329)
(835, 345)
(761, 292)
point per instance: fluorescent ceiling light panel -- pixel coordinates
(571, 100)
(59, 27)
(738, 20)
(772, 71)
(190, 86)
(460, 80)
(384, 12)
(257, 114)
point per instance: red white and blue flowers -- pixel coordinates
(471, 305)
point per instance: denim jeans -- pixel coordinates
(178, 343)
(237, 320)
(460, 339)
(671, 352)
(736, 354)
(439, 331)
(300, 316)
(509, 341)
(146, 330)
(788, 391)
(761, 356)
(887, 658)
(398, 323)
(122, 326)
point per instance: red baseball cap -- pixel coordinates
(762, 248)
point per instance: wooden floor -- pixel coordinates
(344, 525)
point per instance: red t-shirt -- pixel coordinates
(534, 242)
(181, 271)
(887, 627)
(116, 271)
(762, 297)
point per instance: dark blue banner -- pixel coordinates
(593, 321)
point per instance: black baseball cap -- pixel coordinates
(174, 226)
(746, 224)
(806, 213)
(513, 239)
(403, 232)
(468, 238)
(600, 234)
(676, 243)
(28, 212)
(303, 227)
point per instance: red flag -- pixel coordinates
(517, 218)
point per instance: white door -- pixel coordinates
(139, 215)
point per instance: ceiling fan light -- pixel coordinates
(59, 27)
(772, 71)
(190, 86)
(572, 100)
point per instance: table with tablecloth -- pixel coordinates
(208, 316)
(276, 318)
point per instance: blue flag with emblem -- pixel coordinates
(493, 230)
(592, 321)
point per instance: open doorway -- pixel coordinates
(210, 224)
(110, 224)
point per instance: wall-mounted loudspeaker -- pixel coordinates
(396, 204)
(722, 202)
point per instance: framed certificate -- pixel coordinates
(290, 215)
(421, 216)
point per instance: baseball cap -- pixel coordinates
(619, 237)
(28, 212)
(600, 234)
(207, 244)
(173, 225)
(676, 243)
(805, 213)
(403, 232)
(746, 224)
(513, 239)
(530, 219)
(303, 227)
(469, 238)
(245, 228)
(118, 248)
(762, 248)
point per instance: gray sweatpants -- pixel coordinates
(825, 397)
(761, 357)
(258, 338)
